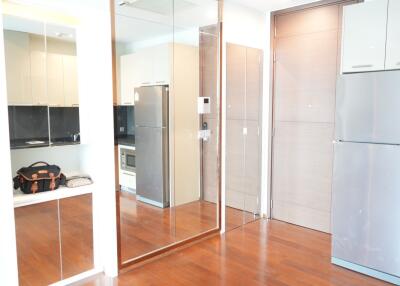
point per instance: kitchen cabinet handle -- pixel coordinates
(145, 82)
(160, 81)
(75, 105)
(132, 175)
(128, 103)
(362, 66)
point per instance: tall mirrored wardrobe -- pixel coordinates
(167, 119)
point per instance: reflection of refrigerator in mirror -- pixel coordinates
(151, 139)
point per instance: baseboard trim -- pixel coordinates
(366, 271)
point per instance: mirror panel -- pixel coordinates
(195, 80)
(166, 58)
(144, 51)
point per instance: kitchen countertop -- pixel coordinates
(128, 140)
(21, 199)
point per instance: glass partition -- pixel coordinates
(166, 123)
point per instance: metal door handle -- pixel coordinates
(362, 66)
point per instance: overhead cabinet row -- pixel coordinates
(371, 36)
(150, 66)
(37, 77)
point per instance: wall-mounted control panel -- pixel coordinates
(203, 105)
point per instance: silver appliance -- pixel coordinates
(366, 176)
(128, 160)
(151, 140)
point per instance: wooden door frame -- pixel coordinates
(272, 78)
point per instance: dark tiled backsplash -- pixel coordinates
(124, 122)
(31, 123)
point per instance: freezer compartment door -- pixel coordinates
(151, 106)
(152, 184)
(366, 206)
(367, 107)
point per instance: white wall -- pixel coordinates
(68, 158)
(94, 54)
(8, 252)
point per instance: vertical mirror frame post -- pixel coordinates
(219, 221)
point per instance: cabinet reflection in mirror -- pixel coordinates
(42, 83)
(166, 58)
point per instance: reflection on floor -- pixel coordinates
(264, 252)
(145, 228)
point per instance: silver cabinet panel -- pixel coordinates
(366, 205)
(367, 107)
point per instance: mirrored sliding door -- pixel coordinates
(166, 123)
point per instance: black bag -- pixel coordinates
(39, 177)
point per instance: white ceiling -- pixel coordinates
(146, 19)
(270, 5)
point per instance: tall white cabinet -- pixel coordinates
(371, 36)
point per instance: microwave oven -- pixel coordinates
(128, 160)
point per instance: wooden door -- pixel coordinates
(306, 68)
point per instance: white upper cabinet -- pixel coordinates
(38, 78)
(364, 36)
(149, 66)
(162, 64)
(70, 81)
(16, 45)
(393, 36)
(55, 79)
(129, 78)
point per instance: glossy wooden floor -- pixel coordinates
(145, 228)
(260, 253)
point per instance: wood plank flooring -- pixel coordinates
(145, 228)
(260, 253)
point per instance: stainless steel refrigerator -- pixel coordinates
(366, 177)
(151, 142)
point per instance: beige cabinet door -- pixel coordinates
(306, 69)
(55, 80)
(144, 66)
(161, 61)
(16, 46)
(129, 78)
(38, 78)
(70, 79)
